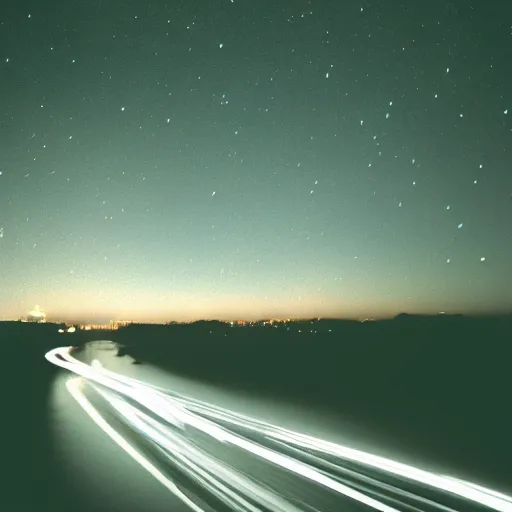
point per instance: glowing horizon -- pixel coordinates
(244, 181)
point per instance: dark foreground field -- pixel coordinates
(29, 475)
(437, 386)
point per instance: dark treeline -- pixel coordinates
(439, 357)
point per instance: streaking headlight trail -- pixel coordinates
(240, 463)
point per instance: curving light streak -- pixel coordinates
(184, 453)
(183, 412)
(159, 404)
(73, 386)
(464, 489)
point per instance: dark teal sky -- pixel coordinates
(242, 159)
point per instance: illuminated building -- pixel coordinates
(96, 327)
(115, 324)
(36, 316)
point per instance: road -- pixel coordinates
(209, 458)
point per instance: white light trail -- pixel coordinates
(220, 479)
(73, 386)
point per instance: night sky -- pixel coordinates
(242, 158)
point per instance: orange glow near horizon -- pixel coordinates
(101, 308)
